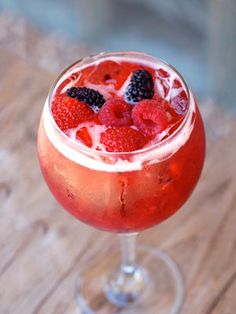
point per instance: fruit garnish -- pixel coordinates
(90, 96)
(149, 116)
(83, 135)
(69, 112)
(122, 139)
(115, 112)
(141, 86)
(105, 73)
(131, 105)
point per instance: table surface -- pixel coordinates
(41, 245)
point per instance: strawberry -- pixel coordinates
(150, 117)
(105, 72)
(69, 112)
(115, 112)
(83, 135)
(122, 139)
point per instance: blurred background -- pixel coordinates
(197, 36)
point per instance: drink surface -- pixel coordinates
(132, 159)
(116, 81)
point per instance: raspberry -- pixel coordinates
(149, 116)
(115, 112)
(90, 96)
(122, 139)
(84, 136)
(69, 112)
(141, 86)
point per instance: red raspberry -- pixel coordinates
(84, 136)
(69, 112)
(115, 112)
(122, 139)
(149, 116)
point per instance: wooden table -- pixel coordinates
(41, 245)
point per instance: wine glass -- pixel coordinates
(124, 193)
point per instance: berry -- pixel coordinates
(72, 92)
(90, 96)
(105, 73)
(141, 86)
(84, 136)
(149, 116)
(109, 72)
(115, 112)
(122, 139)
(69, 112)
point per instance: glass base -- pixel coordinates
(163, 292)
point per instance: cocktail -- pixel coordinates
(121, 146)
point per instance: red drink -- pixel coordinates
(123, 191)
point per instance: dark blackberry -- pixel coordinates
(141, 86)
(90, 96)
(72, 92)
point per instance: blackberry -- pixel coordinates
(90, 96)
(141, 86)
(72, 92)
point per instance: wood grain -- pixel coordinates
(41, 246)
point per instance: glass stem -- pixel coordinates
(128, 252)
(127, 283)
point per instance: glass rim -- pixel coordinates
(87, 60)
